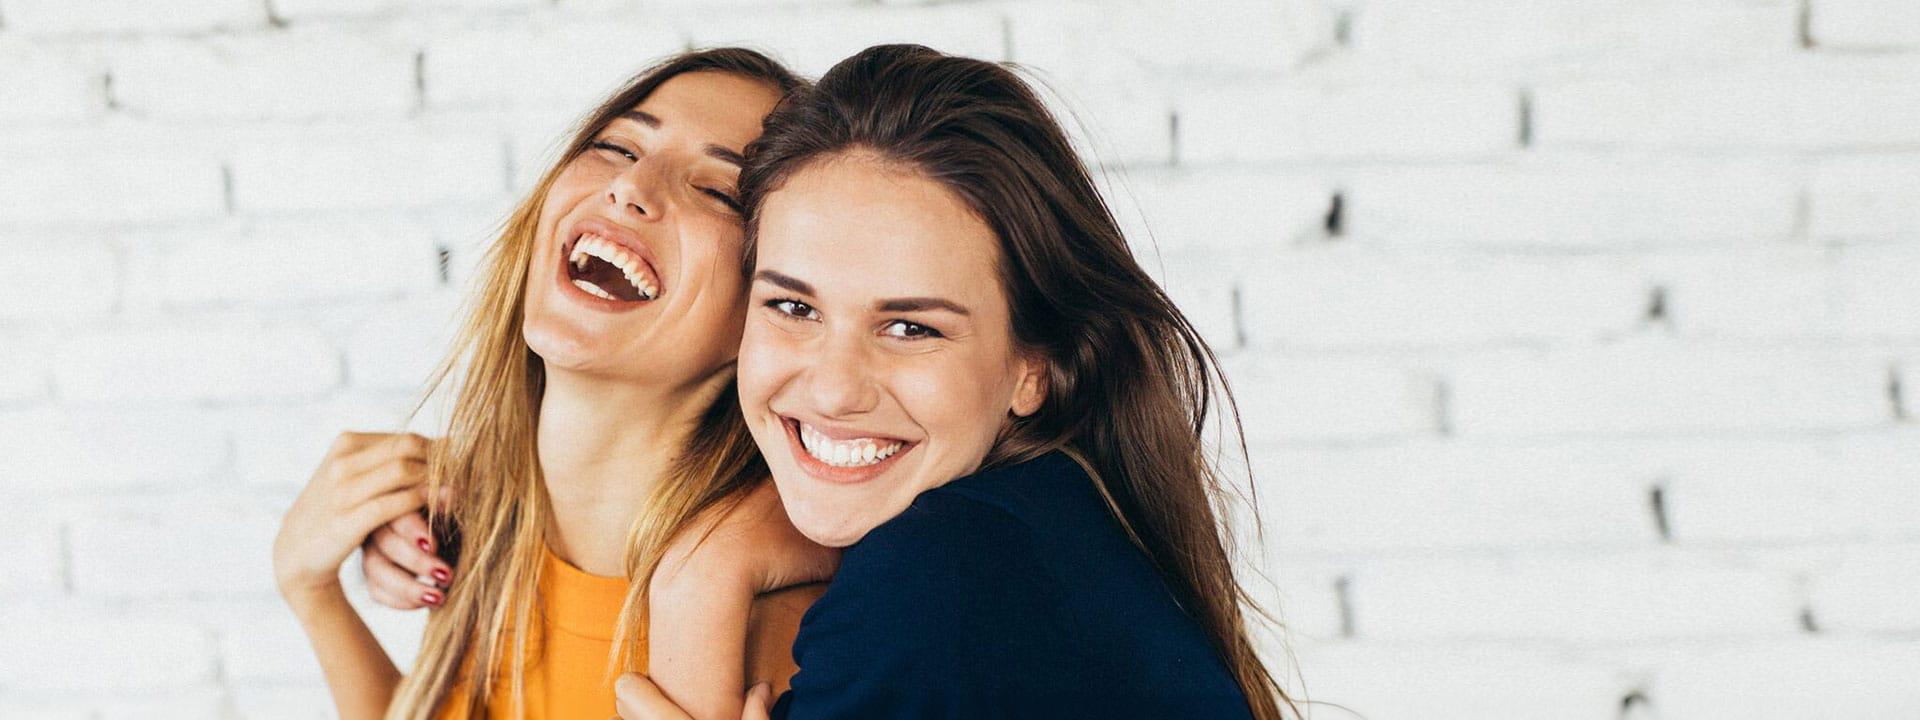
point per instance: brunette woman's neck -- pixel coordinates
(603, 446)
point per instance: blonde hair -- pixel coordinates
(498, 526)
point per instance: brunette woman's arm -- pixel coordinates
(365, 481)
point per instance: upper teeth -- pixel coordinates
(591, 245)
(857, 452)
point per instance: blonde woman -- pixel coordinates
(595, 419)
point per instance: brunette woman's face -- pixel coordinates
(878, 359)
(635, 269)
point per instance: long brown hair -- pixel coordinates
(1130, 382)
(498, 526)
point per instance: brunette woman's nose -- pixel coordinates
(840, 380)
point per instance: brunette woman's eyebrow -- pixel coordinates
(790, 283)
(921, 304)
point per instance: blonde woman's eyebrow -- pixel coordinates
(723, 154)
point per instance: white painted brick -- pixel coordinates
(266, 645)
(19, 708)
(1324, 399)
(1301, 594)
(68, 448)
(397, 348)
(281, 446)
(207, 552)
(1870, 590)
(1200, 286)
(1786, 492)
(303, 262)
(1111, 89)
(24, 376)
(39, 85)
(1865, 198)
(1179, 209)
(1455, 681)
(306, 701)
(1345, 296)
(1574, 203)
(1780, 681)
(91, 651)
(812, 40)
(1448, 495)
(1758, 293)
(1580, 598)
(568, 64)
(1909, 379)
(101, 187)
(1880, 291)
(301, 10)
(1826, 104)
(58, 284)
(1864, 24)
(33, 564)
(375, 171)
(281, 76)
(1650, 387)
(206, 701)
(1461, 35)
(204, 363)
(61, 17)
(1251, 122)
(1159, 35)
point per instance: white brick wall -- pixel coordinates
(1577, 344)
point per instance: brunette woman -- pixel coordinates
(957, 371)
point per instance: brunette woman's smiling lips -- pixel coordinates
(839, 454)
(606, 267)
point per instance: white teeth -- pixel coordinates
(593, 289)
(857, 452)
(617, 256)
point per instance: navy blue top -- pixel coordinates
(1008, 594)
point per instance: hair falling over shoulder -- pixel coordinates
(1130, 382)
(498, 527)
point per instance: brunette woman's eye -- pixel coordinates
(794, 309)
(730, 201)
(614, 148)
(910, 330)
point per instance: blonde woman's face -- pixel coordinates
(635, 270)
(879, 359)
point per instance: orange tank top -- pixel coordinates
(566, 675)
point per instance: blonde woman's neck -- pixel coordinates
(603, 446)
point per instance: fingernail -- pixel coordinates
(424, 545)
(430, 598)
(442, 576)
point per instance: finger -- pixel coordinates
(394, 587)
(379, 510)
(759, 702)
(365, 452)
(405, 551)
(387, 477)
(637, 698)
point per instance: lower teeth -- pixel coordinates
(593, 290)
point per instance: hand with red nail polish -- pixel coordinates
(402, 564)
